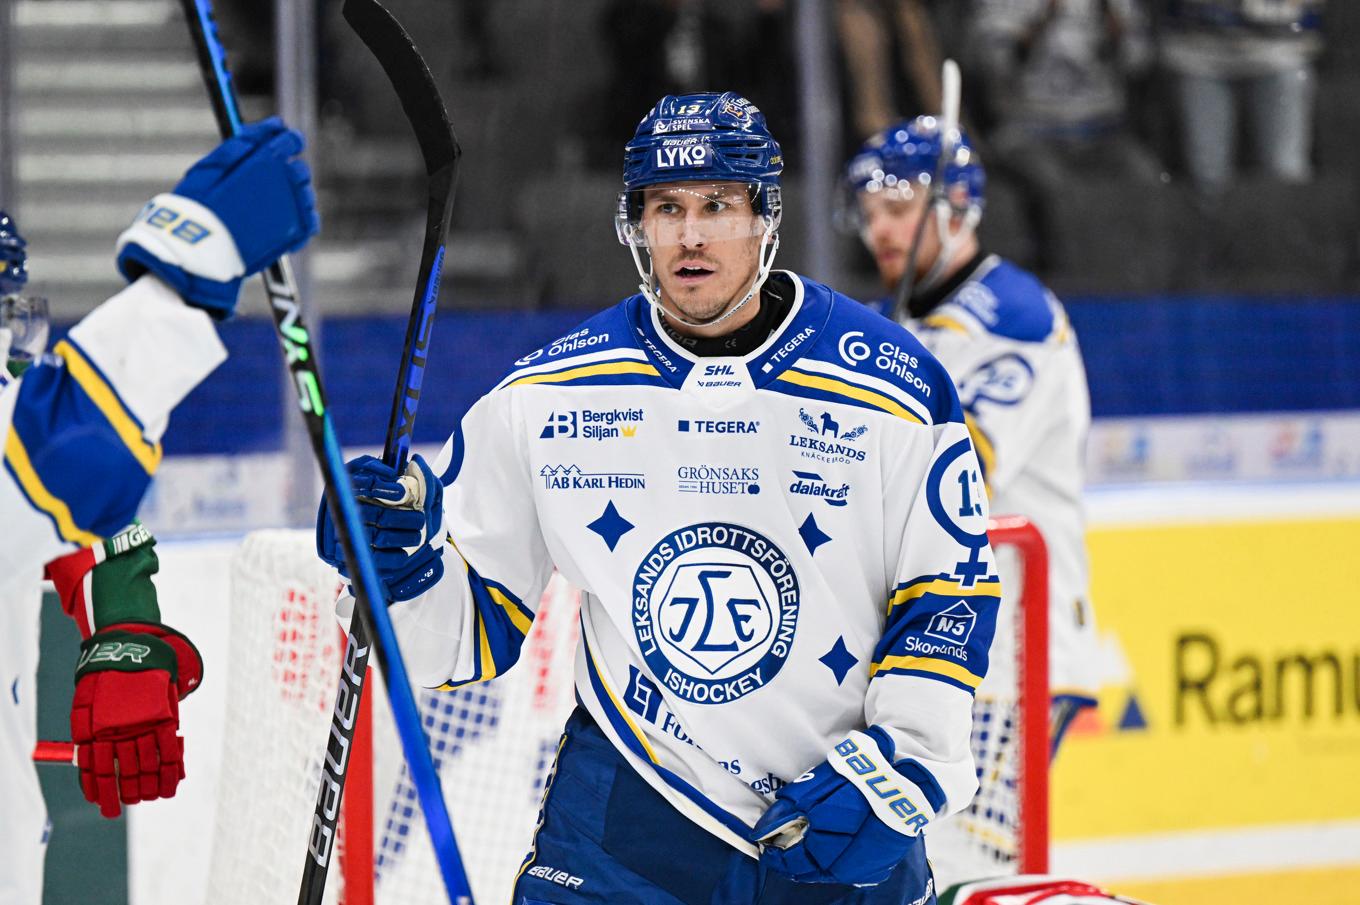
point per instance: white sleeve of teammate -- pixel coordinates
(940, 619)
(999, 383)
(470, 625)
(82, 428)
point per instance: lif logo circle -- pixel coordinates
(715, 609)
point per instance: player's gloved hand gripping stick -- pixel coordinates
(410, 76)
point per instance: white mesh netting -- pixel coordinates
(492, 743)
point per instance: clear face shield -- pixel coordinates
(691, 213)
(24, 328)
(695, 215)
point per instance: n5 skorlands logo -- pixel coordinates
(571, 477)
(591, 424)
(809, 483)
(830, 442)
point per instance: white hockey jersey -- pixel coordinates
(1007, 342)
(82, 430)
(82, 427)
(773, 550)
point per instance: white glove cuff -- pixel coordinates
(188, 235)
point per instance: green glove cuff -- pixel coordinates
(121, 584)
(125, 651)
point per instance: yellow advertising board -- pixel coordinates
(1232, 698)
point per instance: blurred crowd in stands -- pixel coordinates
(1131, 145)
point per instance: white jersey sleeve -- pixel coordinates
(83, 426)
(940, 618)
(470, 625)
(1007, 342)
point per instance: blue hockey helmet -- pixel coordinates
(902, 160)
(24, 323)
(13, 256)
(707, 137)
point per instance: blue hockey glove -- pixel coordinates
(852, 819)
(238, 210)
(403, 519)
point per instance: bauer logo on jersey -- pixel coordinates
(715, 608)
(592, 424)
(954, 625)
(830, 441)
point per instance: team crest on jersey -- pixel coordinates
(715, 608)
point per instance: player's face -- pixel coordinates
(705, 245)
(890, 221)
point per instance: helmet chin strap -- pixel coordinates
(949, 243)
(651, 291)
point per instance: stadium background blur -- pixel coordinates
(1219, 318)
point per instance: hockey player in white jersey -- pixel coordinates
(787, 589)
(1006, 341)
(82, 428)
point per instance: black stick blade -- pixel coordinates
(415, 87)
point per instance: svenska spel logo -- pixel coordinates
(715, 609)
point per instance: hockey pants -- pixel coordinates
(605, 836)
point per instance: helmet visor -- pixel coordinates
(692, 213)
(855, 200)
(25, 320)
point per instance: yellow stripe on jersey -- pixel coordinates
(38, 494)
(943, 587)
(599, 370)
(945, 322)
(927, 664)
(982, 444)
(618, 707)
(103, 396)
(516, 615)
(841, 388)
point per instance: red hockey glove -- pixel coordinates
(125, 714)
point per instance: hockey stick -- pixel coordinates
(419, 96)
(951, 89)
(301, 359)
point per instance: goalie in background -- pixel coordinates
(1006, 341)
(82, 428)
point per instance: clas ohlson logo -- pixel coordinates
(715, 609)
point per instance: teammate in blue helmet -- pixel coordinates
(1007, 342)
(697, 170)
(761, 715)
(23, 318)
(887, 189)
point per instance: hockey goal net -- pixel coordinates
(493, 744)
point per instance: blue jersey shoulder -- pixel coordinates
(609, 330)
(1009, 302)
(859, 339)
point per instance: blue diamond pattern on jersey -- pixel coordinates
(812, 535)
(838, 660)
(611, 526)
